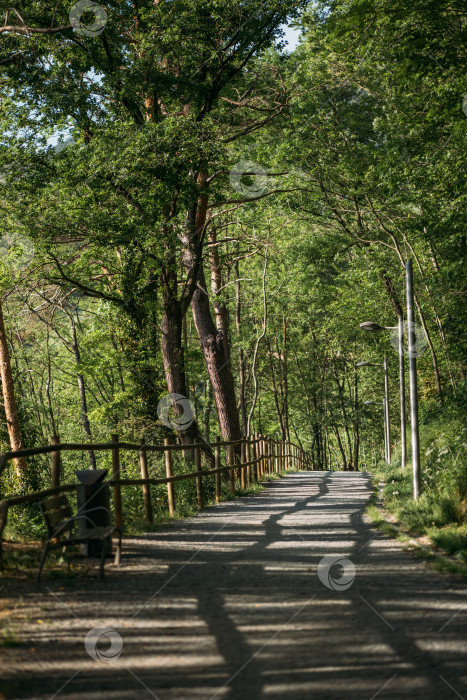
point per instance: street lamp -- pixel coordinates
(383, 404)
(413, 379)
(387, 424)
(370, 326)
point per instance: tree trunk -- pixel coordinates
(9, 401)
(173, 357)
(241, 354)
(218, 365)
(340, 391)
(279, 411)
(356, 444)
(221, 312)
(341, 447)
(285, 379)
(48, 386)
(211, 339)
(207, 408)
(82, 390)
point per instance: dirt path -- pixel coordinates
(230, 605)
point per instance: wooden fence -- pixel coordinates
(246, 462)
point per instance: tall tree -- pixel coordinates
(9, 401)
(154, 119)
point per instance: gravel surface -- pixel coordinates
(235, 604)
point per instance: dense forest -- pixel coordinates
(189, 207)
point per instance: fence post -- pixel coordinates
(242, 468)
(117, 493)
(248, 459)
(169, 474)
(245, 468)
(231, 461)
(217, 465)
(258, 455)
(55, 463)
(262, 460)
(143, 465)
(199, 478)
(254, 455)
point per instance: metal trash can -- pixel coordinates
(93, 493)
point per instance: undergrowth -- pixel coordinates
(441, 510)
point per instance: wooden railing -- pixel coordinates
(246, 462)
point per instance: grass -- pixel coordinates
(440, 512)
(445, 550)
(452, 539)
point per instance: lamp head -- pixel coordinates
(363, 364)
(370, 326)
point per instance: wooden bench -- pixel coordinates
(63, 529)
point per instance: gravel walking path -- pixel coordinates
(237, 603)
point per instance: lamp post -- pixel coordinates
(383, 404)
(370, 326)
(413, 380)
(357, 427)
(387, 424)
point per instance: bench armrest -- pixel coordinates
(77, 517)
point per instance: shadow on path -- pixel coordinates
(228, 604)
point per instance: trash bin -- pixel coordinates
(93, 493)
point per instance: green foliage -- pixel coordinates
(362, 135)
(441, 510)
